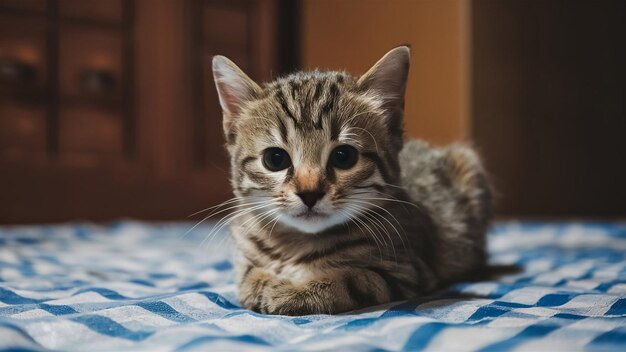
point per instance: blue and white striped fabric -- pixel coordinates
(136, 286)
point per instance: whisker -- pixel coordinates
(255, 220)
(221, 211)
(382, 239)
(376, 241)
(368, 132)
(230, 217)
(387, 220)
(390, 200)
(272, 229)
(229, 201)
(365, 212)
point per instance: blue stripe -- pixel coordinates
(222, 266)
(104, 292)
(109, 327)
(197, 342)
(554, 300)
(618, 308)
(530, 333)
(10, 297)
(58, 310)
(421, 337)
(219, 300)
(489, 311)
(18, 330)
(611, 339)
(166, 311)
(196, 286)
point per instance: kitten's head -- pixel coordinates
(314, 148)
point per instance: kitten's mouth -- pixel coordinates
(310, 215)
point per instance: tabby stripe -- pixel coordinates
(245, 273)
(263, 248)
(283, 131)
(247, 160)
(257, 177)
(248, 190)
(294, 87)
(313, 256)
(362, 298)
(375, 186)
(283, 103)
(318, 91)
(330, 173)
(362, 175)
(328, 105)
(395, 290)
(379, 163)
(334, 129)
(289, 174)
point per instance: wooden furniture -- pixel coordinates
(107, 108)
(538, 86)
(549, 105)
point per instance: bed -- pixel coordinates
(140, 286)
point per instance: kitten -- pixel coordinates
(334, 210)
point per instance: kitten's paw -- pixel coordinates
(284, 298)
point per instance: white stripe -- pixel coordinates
(589, 305)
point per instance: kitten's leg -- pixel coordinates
(339, 291)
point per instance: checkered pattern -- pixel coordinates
(148, 287)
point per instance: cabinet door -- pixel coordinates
(121, 118)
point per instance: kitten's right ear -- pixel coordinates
(234, 89)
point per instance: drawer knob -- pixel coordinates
(97, 82)
(16, 72)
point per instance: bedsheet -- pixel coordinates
(141, 286)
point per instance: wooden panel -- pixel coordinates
(29, 5)
(354, 34)
(22, 128)
(24, 41)
(89, 51)
(99, 10)
(91, 131)
(86, 172)
(549, 104)
(225, 26)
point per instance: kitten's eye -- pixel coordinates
(344, 157)
(276, 159)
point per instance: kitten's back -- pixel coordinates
(451, 185)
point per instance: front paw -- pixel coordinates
(289, 300)
(283, 298)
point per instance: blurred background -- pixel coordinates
(108, 110)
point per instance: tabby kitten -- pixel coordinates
(334, 211)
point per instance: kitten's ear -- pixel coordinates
(388, 77)
(234, 88)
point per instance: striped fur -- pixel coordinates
(403, 220)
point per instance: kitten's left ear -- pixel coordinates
(388, 78)
(234, 88)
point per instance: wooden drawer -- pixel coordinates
(23, 45)
(22, 128)
(28, 5)
(89, 130)
(84, 53)
(96, 10)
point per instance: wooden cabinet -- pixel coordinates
(108, 109)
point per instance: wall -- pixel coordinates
(354, 34)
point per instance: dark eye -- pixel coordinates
(276, 159)
(344, 157)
